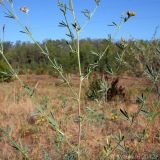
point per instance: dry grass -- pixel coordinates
(16, 112)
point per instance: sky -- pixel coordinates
(44, 17)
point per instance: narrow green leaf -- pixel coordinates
(62, 24)
(124, 113)
(109, 70)
(87, 13)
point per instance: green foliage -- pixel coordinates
(71, 156)
(5, 75)
(94, 116)
(26, 56)
(82, 57)
(15, 145)
(94, 89)
(46, 156)
(100, 87)
(151, 156)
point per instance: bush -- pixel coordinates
(5, 75)
(94, 90)
(100, 87)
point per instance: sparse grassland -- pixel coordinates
(101, 121)
(87, 109)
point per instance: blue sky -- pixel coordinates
(44, 17)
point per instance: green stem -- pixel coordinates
(12, 70)
(79, 96)
(80, 78)
(42, 50)
(70, 32)
(86, 23)
(114, 149)
(73, 13)
(65, 79)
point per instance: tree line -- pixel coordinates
(25, 57)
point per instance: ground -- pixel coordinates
(101, 121)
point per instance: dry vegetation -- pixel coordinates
(95, 114)
(101, 121)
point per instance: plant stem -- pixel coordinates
(79, 95)
(86, 23)
(11, 68)
(42, 51)
(80, 78)
(114, 149)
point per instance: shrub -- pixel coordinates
(100, 87)
(94, 89)
(5, 75)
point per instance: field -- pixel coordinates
(90, 91)
(102, 121)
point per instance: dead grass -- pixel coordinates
(16, 113)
